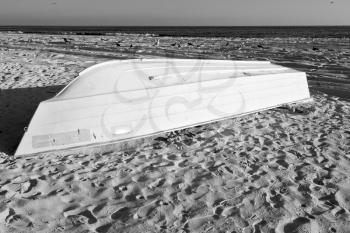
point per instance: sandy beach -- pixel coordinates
(283, 170)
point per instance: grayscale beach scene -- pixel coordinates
(150, 120)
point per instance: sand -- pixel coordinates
(282, 170)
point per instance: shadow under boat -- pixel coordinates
(17, 107)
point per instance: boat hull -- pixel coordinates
(118, 101)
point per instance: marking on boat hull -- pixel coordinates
(59, 139)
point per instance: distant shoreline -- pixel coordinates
(193, 31)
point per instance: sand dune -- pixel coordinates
(284, 170)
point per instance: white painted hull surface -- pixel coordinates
(122, 100)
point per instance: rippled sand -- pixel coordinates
(282, 170)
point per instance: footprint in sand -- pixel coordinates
(27, 186)
(91, 218)
(121, 214)
(17, 220)
(103, 228)
(274, 199)
(72, 213)
(197, 224)
(297, 225)
(98, 208)
(145, 210)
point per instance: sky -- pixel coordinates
(174, 12)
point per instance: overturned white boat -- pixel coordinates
(121, 100)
